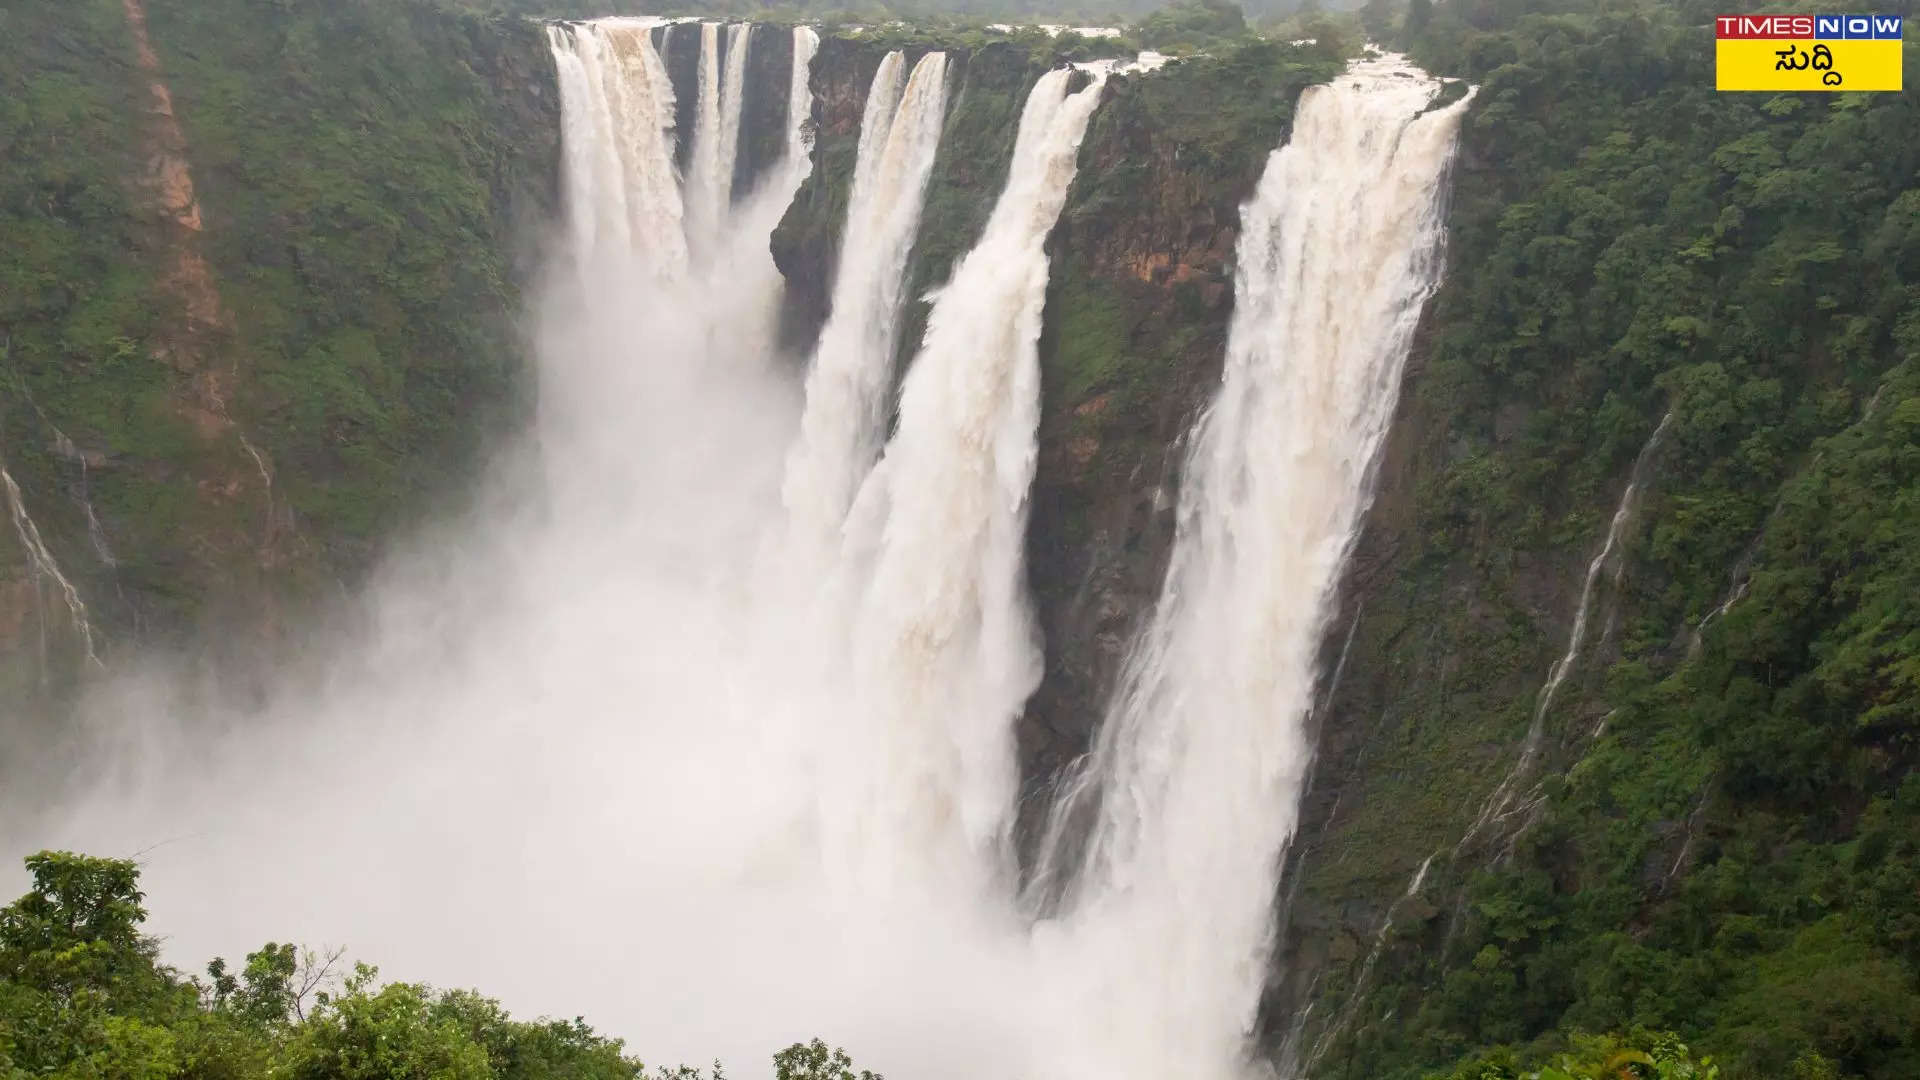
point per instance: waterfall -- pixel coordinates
(944, 646)
(733, 93)
(703, 195)
(716, 132)
(1194, 780)
(841, 425)
(799, 161)
(623, 202)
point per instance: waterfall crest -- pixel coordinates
(1192, 787)
(846, 385)
(623, 201)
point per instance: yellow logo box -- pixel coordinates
(1802, 64)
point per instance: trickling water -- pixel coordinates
(42, 567)
(944, 646)
(1502, 798)
(617, 107)
(841, 426)
(1356, 992)
(1196, 773)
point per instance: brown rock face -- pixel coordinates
(200, 342)
(1136, 329)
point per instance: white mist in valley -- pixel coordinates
(603, 748)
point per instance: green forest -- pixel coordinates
(1735, 855)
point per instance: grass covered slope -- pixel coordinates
(1719, 837)
(371, 181)
(375, 176)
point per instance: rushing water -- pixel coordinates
(597, 752)
(622, 199)
(852, 368)
(943, 646)
(1194, 783)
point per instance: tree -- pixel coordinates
(1419, 14)
(1376, 16)
(83, 996)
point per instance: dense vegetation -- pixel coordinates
(1724, 838)
(83, 995)
(371, 175)
(372, 171)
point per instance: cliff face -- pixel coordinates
(1603, 685)
(266, 310)
(1135, 330)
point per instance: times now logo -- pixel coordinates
(1829, 27)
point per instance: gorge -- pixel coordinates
(966, 569)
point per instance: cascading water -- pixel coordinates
(943, 643)
(703, 196)
(617, 103)
(799, 161)
(841, 426)
(44, 571)
(716, 132)
(1195, 777)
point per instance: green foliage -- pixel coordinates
(371, 176)
(82, 995)
(363, 181)
(813, 1061)
(1642, 1055)
(1732, 856)
(1194, 26)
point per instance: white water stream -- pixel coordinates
(852, 368)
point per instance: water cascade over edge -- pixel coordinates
(943, 646)
(1191, 791)
(575, 718)
(842, 424)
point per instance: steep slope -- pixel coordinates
(1626, 505)
(262, 308)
